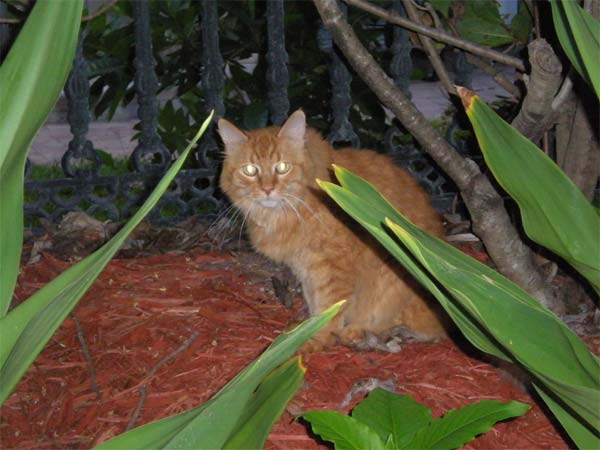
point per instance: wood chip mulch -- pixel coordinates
(163, 333)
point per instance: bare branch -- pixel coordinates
(9, 20)
(432, 54)
(495, 74)
(99, 11)
(488, 68)
(490, 219)
(545, 78)
(441, 36)
(86, 355)
(143, 389)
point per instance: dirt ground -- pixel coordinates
(164, 332)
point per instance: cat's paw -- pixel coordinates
(318, 343)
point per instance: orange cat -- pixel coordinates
(269, 174)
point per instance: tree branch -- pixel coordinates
(490, 219)
(544, 80)
(8, 20)
(99, 11)
(438, 35)
(488, 68)
(432, 54)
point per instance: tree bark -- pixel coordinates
(545, 78)
(577, 147)
(490, 219)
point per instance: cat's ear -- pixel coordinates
(230, 134)
(294, 128)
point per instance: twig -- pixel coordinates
(432, 54)
(9, 20)
(536, 20)
(488, 68)
(158, 365)
(495, 74)
(441, 36)
(86, 355)
(138, 408)
(99, 11)
(491, 221)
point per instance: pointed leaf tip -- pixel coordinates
(300, 364)
(466, 96)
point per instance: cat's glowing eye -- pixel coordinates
(250, 170)
(282, 167)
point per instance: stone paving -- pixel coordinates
(116, 137)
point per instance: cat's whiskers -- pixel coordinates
(253, 203)
(317, 215)
(300, 218)
(217, 231)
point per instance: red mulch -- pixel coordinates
(142, 310)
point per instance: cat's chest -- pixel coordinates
(277, 241)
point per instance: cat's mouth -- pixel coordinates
(269, 202)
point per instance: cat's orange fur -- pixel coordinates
(290, 220)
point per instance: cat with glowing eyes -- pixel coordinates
(270, 173)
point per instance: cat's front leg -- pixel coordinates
(319, 295)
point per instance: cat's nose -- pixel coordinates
(268, 189)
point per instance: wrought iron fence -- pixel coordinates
(194, 191)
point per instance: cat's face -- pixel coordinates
(265, 170)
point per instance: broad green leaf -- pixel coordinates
(266, 405)
(522, 22)
(488, 308)
(31, 79)
(459, 426)
(442, 6)
(482, 24)
(393, 417)
(345, 432)
(555, 213)
(27, 328)
(210, 425)
(579, 35)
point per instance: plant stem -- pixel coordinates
(544, 81)
(432, 54)
(441, 36)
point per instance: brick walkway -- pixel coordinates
(115, 137)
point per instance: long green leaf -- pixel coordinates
(370, 210)
(394, 417)
(546, 347)
(266, 405)
(459, 426)
(31, 79)
(27, 328)
(555, 213)
(345, 432)
(579, 35)
(497, 315)
(211, 424)
(578, 431)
